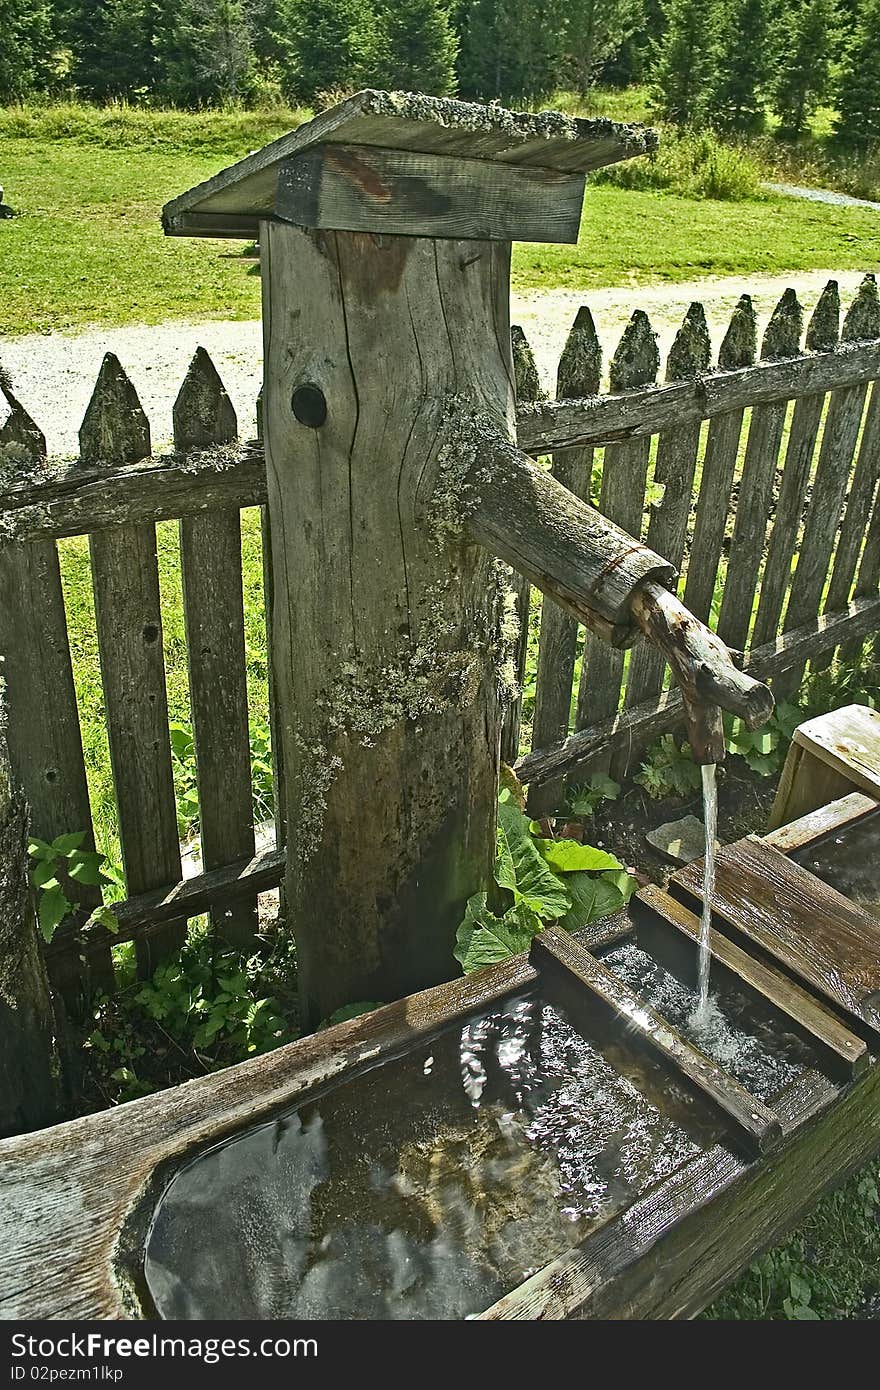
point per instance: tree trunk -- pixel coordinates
(389, 658)
(29, 1094)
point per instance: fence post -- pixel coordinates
(29, 1072)
(528, 388)
(579, 374)
(213, 605)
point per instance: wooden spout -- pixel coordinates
(704, 668)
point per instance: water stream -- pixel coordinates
(710, 820)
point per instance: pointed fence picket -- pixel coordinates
(759, 481)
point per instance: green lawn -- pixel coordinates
(88, 247)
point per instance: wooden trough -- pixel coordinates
(77, 1201)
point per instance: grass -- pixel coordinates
(89, 184)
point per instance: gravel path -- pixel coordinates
(820, 195)
(54, 373)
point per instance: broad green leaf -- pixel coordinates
(43, 874)
(522, 869)
(592, 896)
(87, 868)
(567, 856)
(39, 849)
(68, 844)
(107, 918)
(484, 939)
(52, 909)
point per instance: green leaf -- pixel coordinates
(592, 896)
(522, 869)
(800, 1289)
(87, 868)
(106, 917)
(567, 856)
(484, 939)
(68, 844)
(52, 909)
(39, 849)
(43, 874)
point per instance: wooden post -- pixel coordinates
(128, 618)
(388, 654)
(45, 744)
(29, 1090)
(528, 388)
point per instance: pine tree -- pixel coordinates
(594, 32)
(25, 48)
(335, 46)
(204, 56)
(418, 47)
(804, 40)
(734, 100)
(111, 46)
(858, 93)
(510, 49)
(685, 67)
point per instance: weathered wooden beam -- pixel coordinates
(643, 723)
(213, 891)
(566, 548)
(826, 820)
(365, 188)
(565, 424)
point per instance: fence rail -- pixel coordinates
(758, 480)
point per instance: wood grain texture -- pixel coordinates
(569, 424)
(128, 623)
(621, 499)
(29, 1090)
(386, 626)
(670, 933)
(213, 608)
(766, 425)
(410, 121)
(579, 374)
(748, 1120)
(848, 740)
(825, 820)
(669, 513)
(44, 739)
(856, 519)
(528, 388)
(812, 931)
(361, 188)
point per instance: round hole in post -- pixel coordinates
(309, 405)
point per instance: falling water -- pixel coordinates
(710, 819)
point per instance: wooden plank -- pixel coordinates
(781, 340)
(150, 912)
(815, 934)
(528, 388)
(213, 607)
(579, 374)
(670, 933)
(360, 188)
(621, 499)
(44, 736)
(752, 1122)
(612, 418)
(674, 470)
(644, 723)
(719, 461)
(428, 125)
(128, 622)
(822, 336)
(825, 820)
(858, 508)
(839, 438)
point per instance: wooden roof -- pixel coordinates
(238, 196)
